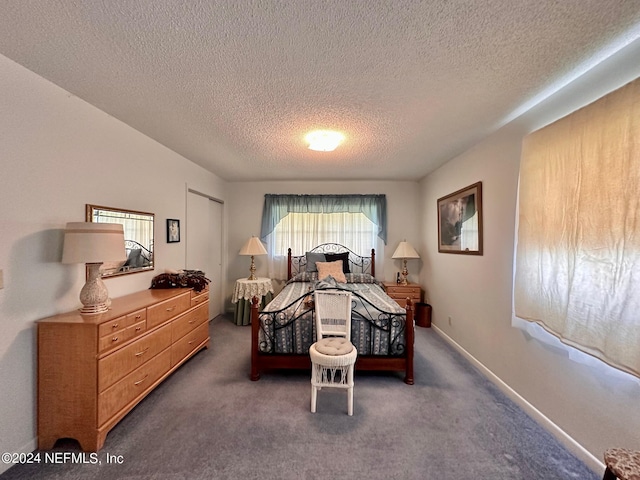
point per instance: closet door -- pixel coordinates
(215, 213)
(204, 235)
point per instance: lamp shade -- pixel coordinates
(405, 250)
(253, 247)
(88, 242)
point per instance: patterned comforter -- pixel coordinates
(287, 324)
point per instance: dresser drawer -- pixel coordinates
(137, 317)
(199, 298)
(137, 329)
(132, 386)
(400, 293)
(118, 364)
(113, 340)
(163, 311)
(403, 290)
(189, 321)
(112, 326)
(186, 345)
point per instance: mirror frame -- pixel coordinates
(89, 211)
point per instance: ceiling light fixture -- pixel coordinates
(324, 140)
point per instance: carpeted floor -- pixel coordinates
(209, 421)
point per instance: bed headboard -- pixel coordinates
(357, 263)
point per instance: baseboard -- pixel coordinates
(574, 447)
(29, 447)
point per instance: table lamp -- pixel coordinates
(93, 244)
(253, 247)
(404, 251)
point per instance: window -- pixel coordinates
(303, 231)
(301, 222)
(578, 246)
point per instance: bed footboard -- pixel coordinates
(261, 362)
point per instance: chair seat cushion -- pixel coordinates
(334, 346)
(625, 464)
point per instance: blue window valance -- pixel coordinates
(276, 207)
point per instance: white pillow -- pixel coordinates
(331, 268)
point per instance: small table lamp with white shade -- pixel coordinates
(253, 247)
(405, 251)
(93, 244)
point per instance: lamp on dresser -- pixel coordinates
(253, 247)
(93, 244)
(405, 251)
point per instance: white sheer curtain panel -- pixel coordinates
(577, 270)
(135, 226)
(303, 231)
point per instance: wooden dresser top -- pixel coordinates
(119, 306)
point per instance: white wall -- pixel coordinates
(246, 200)
(58, 153)
(595, 405)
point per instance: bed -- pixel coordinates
(381, 330)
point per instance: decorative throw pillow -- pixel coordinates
(333, 269)
(312, 258)
(334, 257)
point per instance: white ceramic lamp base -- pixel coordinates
(94, 294)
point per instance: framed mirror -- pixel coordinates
(138, 238)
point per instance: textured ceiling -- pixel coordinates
(234, 85)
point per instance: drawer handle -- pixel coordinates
(191, 322)
(140, 381)
(138, 329)
(114, 339)
(139, 354)
(115, 325)
(138, 317)
(171, 309)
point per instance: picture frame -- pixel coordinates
(460, 221)
(173, 230)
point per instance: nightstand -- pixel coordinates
(244, 291)
(400, 292)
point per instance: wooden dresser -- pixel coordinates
(93, 369)
(400, 292)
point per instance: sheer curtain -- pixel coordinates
(577, 270)
(135, 226)
(301, 222)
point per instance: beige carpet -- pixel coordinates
(209, 421)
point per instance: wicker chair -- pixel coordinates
(622, 464)
(333, 356)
